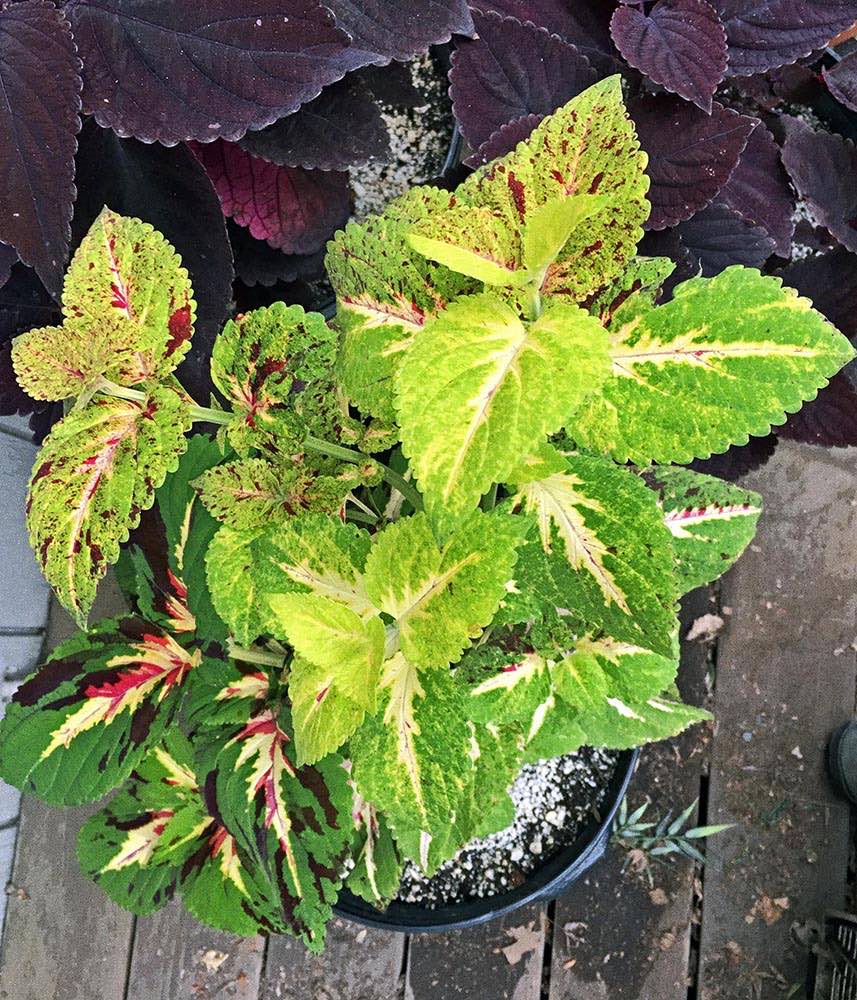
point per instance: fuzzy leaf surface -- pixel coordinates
(734, 353)
(480, 387)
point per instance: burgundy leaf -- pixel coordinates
(8, 258)
(504, 140)
(382, 30)
(584, 23)
(719, 237)
(391, 85)
(830, 419)
(40, 80)
(763, 34)
(738, 461)
(168, 188)
(759, 190)
(295, 210)
(830, 281)
(167, 72)
(823, 167)
(510, 70)
(258, 263)
(681, 45)
(342, 127)
(841, 81)
(691, 154)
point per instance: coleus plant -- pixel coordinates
(719, 93)
(430, 541)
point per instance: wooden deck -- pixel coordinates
(782, 674)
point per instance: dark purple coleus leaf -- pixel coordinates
(691, 154)
(830, 282)
(39, 119)
(719, 237)
(258, 263)
(823, 168)
(167, 72)
(510, 70)
(680, 44)
(737, 461)
(168, 188)
(504, 140)
(382, 30)
(295, 210)
(342, 127)
(763, 34)
(584, 23)
(668, 243)
(841, 81)
(759, 190)
(391, 85)
(8, 257)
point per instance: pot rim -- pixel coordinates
(546, 882)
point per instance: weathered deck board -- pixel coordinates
(472, 964)
(358, 964)
(785, 679)
(175, 958)
(615, 936)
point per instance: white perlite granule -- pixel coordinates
(419, 142)
(553, 800)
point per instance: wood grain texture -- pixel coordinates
(176, 958)
(501, 960)
(786, 677)
(625, 935)
(357, 964)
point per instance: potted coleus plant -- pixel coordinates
(431, 541)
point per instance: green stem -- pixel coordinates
(407, 489)
(199, 413)
(252, 654)
(533, 300)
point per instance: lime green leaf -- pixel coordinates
(323, 715)
(500, 688)
(588, 147)
(377, 871)
(732, 354)
(711, 522)
(333, 637)
(441, 597)
(606, 553)
(96, 472)
(293, 823)
(549, 227)
(480, 388)
(385, 294)
(129, 314)
(632, 290)
(231, 566)
(554, 731)
(496, 752)
(412, 758)
(103, 697)
(631, 673)
(275, 366)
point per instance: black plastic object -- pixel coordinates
(833, 970)
(545, 883)
(842, 760)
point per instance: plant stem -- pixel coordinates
(407, 489)
(198, 413)
(534, 300)
(252, 654)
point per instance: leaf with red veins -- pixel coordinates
(293, 209)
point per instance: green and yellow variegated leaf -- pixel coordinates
(96, 472)
(588, 147)
(231, 566)
(554, 731)
(253, 494)
(275, 366)
(412, 759)
(497, 754)
(84, 721)
(632, 290)
(228, 693)
(711, 522)
(322, 713)
(619, 725)
(502, 688)
(441, 596)
(293, 823)
(334, 637)
(605, 551)
(129, 314)
(727, 358)
(480, 388)
(377, 871)
(385, 295)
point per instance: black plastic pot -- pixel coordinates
(547, 882)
